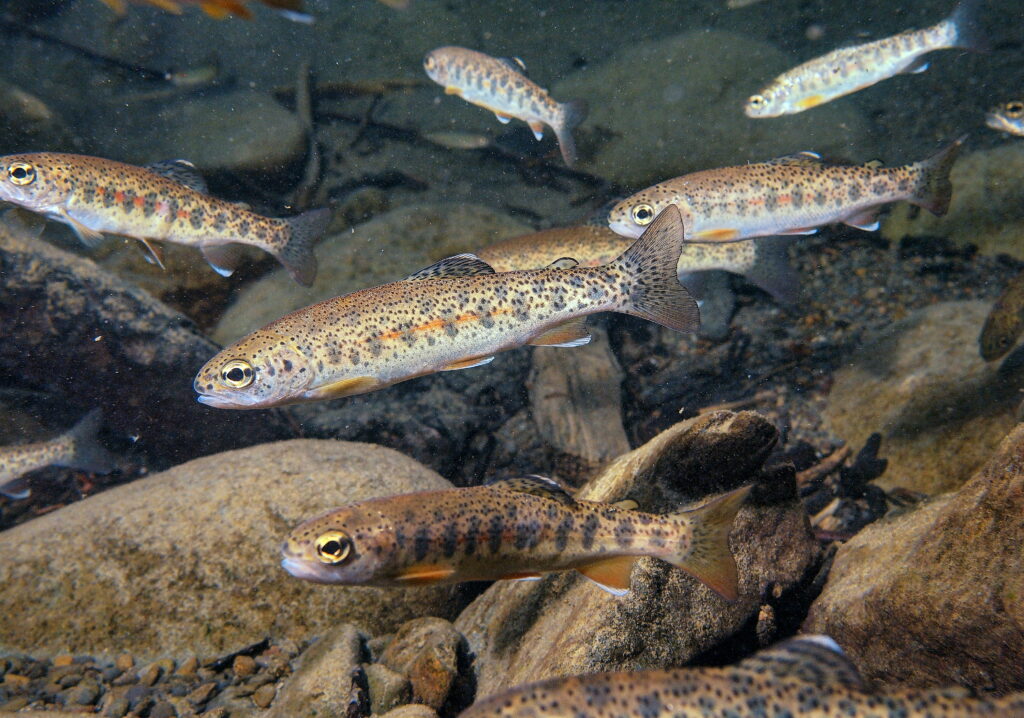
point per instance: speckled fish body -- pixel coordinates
(1007, 117)
(219, 9)
(805, 677)
(76, 449)
(519, 528)
(453, 315)
(849, 69)
(161, 202)
(764, 263)
(788, 195)
(500, 86)
(1005, 321)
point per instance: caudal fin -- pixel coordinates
(87, 453)
(573, 113)
(649, 269)
(969, 34)
(708, 558)
(933, 190)
(297, 254)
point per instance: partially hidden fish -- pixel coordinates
(499, 85)
(455, 314)
(764, 262)
(1005, 321)
(849, 69)
(1007, 117)
(77, 449)
(164, 202)
(519, 528)
(795, 194)
(804, 677)
(219, 9)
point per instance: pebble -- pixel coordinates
(264, 695)
(125, 661)
(201, 694)
(137, 694)
(17, 681)
(64, 659)
(163, 709)
(188, 667)
(150, 674)
(244, 666)
(15, 704)
(84, 694)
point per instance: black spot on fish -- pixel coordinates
(494, 531)
(450, 539)
(562, 533)
(589, 531)
(624, 534)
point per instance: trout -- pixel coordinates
(1005, 321)
(1007, 117)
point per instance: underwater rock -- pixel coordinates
(385, 249)
(987, 208)
(320, 685)
(933, 597)
(941, 410)
(72, 329)
(563, 624)
(412, 710)
(426, 651)
(388, 689)
(186, 561)
(662, 108)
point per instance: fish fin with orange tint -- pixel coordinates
(538, 129)
(527, 576)
(468, 363)
(503, 118)
(345, 387)
(452, 90)
(118, 6)
(721, 234)
(868, 220)
(572, 333)
(611, 574)
(800, 230)
(423, 574)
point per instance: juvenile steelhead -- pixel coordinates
(795, 194)
(1005, 321)
(500, 86)
(765, 263)
(849, 69)
(520, 528)
(1007, 117)
(164, 202)
(76, 449)
(452, 315)
(805, 677)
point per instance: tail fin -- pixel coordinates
(649, 266)
(771, 270)
(573, 113)
(967, 31)
(707, 557)
(297, 254)
(934, 190)
(87, 453)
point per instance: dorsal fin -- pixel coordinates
(800, 159)
(563, 263)
(817, 660)
(460, 265)
(182, 172)
(515, 64)
(536, 486)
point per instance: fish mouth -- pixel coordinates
(302, 569)
(220, 403)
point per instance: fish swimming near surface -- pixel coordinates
(76, 449)
(764, 262)
(165, 202)
(849, 69)
(795, 194)
(499, 85)
(1007, 117)
(455, 314)
(519, 528)
(804, 677)
(219, 9)
(1005, 321)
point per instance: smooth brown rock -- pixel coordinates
(187, 561)
(563, 624)
(935, 596)
(426, 651)
(321, 683)
(388, 689)
(411, 710)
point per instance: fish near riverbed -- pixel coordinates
(1007, 117)
(804, 677)
(1005, 321)
(455, 314)
(218, 9)
(165, 202)
(519, 528)
(499, 85)
(76, 449)
(795, 194)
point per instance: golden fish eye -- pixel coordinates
(21, 173)
(333, 547)
(643, 214)
(428, 62)
(1014, 109)
(756, 101)
(237, 374)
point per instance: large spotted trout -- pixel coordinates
(499, 85)
(454, 314)
(795, 194)
(805, 677)
(519, 528)
(164, 202)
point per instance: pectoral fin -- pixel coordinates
(345, 387)
(86, 235)
(721, 234)
(452, 90)
(611, 574)
(156, 253)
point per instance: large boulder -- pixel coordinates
(935, 596)
(187, 561)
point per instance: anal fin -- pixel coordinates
(503, 118)
(867, 220)
(538, 129)
(224, 258)
(572, 333)
(611, 574)
(468, 363)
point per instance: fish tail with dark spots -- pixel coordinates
(297, 253)
(572, 114)
(934, 190)
(649, 267)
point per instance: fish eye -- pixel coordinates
(1014, 109)
(21, 173)
(333, 547)
(428, 62)
(756, 101)
(237, 374)
(643, 214)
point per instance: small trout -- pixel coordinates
(500, 86)
(77, 449)
(519, 528)
(1007, 117)
(1005, 321)
(764, 262)
(795, 194)
(805, 677)
(219, 9)
(454, 314)
(164, 202)
(849, 69)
